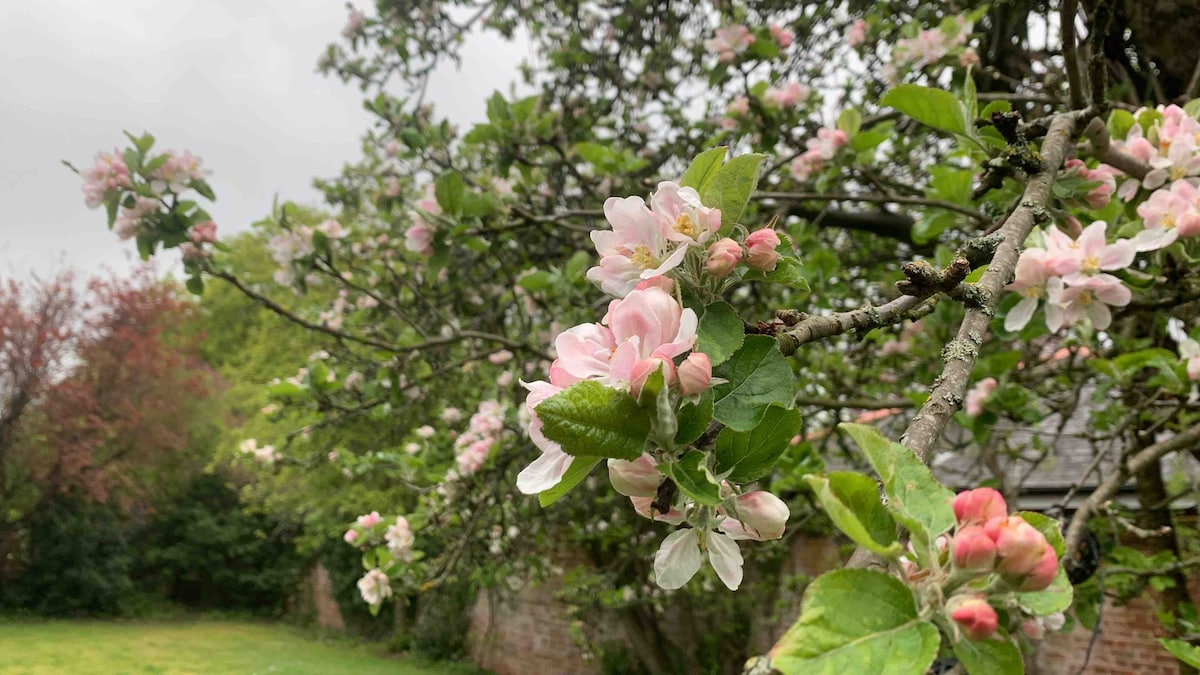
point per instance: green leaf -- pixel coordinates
(749, 455)
(204, 189)
(693, 478)
(449, 190)
(933, 107)
(1119, 124)
(1180, 649)
(702, 169)
(850, 121)
(693, 419)
(112, 202)
(1048, 527)
(756, 376)
(720, 332)
(591, 420)
(579, 469)
(857, 621)
(730, 188)
(195, 285)
(852, 502)
(917, 500)
(1192, 108)
(989, 657)
(1056, 597)
(536, 280)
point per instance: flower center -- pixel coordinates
(1091, 265)
(685, 225)
(642, 257)
(1168, 221)
(1033, 292)
(1085, 298)
(1178, 172)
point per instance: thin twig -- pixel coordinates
(876, 199)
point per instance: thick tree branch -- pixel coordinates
(1066, 19)
(960, 353)
(1186, 440)
(1100, 147)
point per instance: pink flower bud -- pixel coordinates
(370, 520)
(645, 368)
(1033, 628)
(763, 514)
(638, 478)
(975, 507)
(760, 249)
(974, 550)
(723, 257)
(204, 233)
(351, 536)
(976, 618)
(694, 374)
(1019, 545)
(1043, 574)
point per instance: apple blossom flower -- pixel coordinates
(391, 149)
(177, 173)
(412, 448)
(695, 374)
(1189, 351)
(1093, 254)
(975, 507)
(451, 415)
(646, 327)
(1067, 305)
(109, 173)
(1098, 196)
(740, 107)
(354, 24)
(787, 96)
(637, 478)
(203, 233)
(782, 36)
(979, 395)
(820, 150)
(856, 34)
(369, 520)
(682, 552)
(350, 536)
(500, 357)
(970, 58)
(505, 379)
(374, 587)
(762, 515)
(399, 538)
(425, 431)
(639, 246)
(418, 238)
(729, 42)
(974, 616)
(723, 257)
(973, 550)
(760, 249)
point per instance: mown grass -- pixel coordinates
(113, 648)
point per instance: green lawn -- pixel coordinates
(82, 647)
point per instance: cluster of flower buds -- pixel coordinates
(820, 150)
(397, 537)
(989, 542)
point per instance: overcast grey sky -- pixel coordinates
(232, 80)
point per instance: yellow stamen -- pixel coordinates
(642, 257)
(684, 225)
(1091, 265)
(1178, 172)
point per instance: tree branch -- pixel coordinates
(1100, 147)
(960, 353)
(877, 199)
(1111, 485)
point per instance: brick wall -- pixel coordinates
(1127, 643)
(527, 635)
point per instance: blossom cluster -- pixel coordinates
(650, 249)
(418, 238)
(471, 448)
(1189, 349)
(397, 537)
(139, 199)
(1071, 275)
(989, 541)
(820, 150)
(267, 454)
(1168, 143)
(758, 516)
(931, 45)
